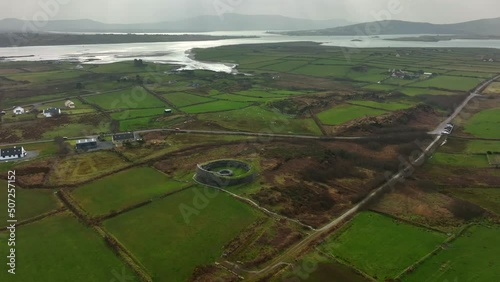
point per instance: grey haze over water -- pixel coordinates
(178, 52)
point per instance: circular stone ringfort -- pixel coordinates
(224, 173)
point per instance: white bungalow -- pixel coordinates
(19, 110)
(51, 112)
(12, 153)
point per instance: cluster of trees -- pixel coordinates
(138, 63)
(63, 147)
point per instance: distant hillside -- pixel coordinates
(229, 22)
(479, 27)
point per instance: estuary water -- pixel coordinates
(178, 52)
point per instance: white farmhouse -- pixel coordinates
(52, 112)
(12, 153)
(19, 110)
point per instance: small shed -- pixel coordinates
(69, 104)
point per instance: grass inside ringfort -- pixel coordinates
(59, 248)
(171, 247)
(124, 189)
(381, 246)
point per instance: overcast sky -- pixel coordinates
(137, 11)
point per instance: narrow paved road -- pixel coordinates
(294, 252)
(290, 255)
(460, 108)
(213, 132)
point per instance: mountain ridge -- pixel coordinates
(395, 27)
(227, 22)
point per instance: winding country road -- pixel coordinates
(290, 255)
(294, 252)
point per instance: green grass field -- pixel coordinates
(472, 257)
(185, 99)
(242, 98)
(323, 70)
(460, 160)
(262, 120)
(450, 83)
(128, 67)
(29, 203)
(76, 129)
(410, 91)
(79, 168)
(259, 93)
(485, 124)
(481, 147)
(137, 124)
(380, 87)
(60, 248)
(131, 114)
(217, 106)
(132, 98)
(124, 189)
(383, 106)
(344, 113)
(171, 247)
(372, 75)
(40, 77)
(488, 198)
(380, 246)
(471, 74)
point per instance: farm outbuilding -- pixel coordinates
(69, 104)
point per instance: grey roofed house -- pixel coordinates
(12, 153)
(86, 144)
(51, 112)
(18, 110)
(123, 137)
